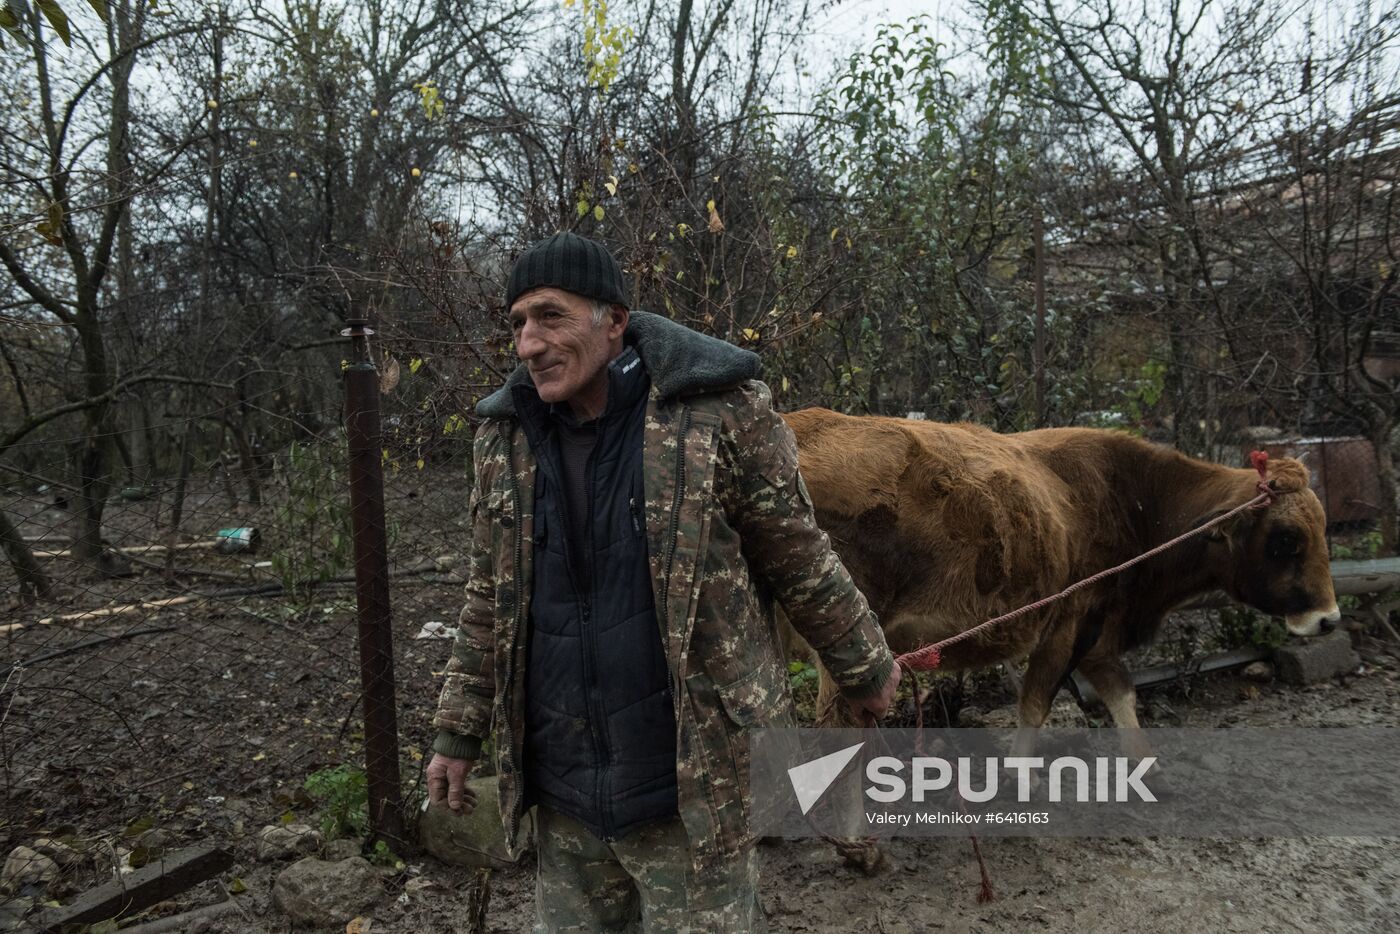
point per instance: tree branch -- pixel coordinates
(37, 421)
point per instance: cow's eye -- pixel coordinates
(1282, 544)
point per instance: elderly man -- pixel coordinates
(636, 512)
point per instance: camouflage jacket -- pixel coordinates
(729, 528)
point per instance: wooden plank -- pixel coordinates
(1166, 673)
(104, 613)
(1349, 579)
(165, 878)
(140, 549)
(1366, 566)
(1374, 575)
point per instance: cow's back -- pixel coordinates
(944, 525)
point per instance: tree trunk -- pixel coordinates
(246, 464)
(1389, 519)
(33, 583)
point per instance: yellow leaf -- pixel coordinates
(420, 463)
(710, 205)
(581, 207)
(750, 334)
(260, 756)
(414, 364)
(237, 886)
(359, 925)
(611, 186)
(833, 232)
(716, 225)
(785, 384)
(792, 252)
(598, 212)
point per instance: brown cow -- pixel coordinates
(944, 526)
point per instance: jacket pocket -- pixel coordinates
(749, 700)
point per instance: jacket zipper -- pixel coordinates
(674, 540)
(514, 636)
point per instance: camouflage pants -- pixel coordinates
(644, 882)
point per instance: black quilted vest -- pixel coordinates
(600, 731)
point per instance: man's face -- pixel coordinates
(566, 353)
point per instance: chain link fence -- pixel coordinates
(205, 686)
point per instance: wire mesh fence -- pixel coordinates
(204, 684)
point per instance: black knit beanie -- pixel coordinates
(570, 262)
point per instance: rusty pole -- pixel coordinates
(1038, 364)
(372, 589)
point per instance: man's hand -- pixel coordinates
(868, 711)
(447, 784)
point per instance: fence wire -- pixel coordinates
(206, 687)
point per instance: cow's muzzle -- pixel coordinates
(1313, 622)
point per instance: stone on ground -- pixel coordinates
(477, 839)
(26, 866)
(315, 893)
(283, 841)
(1311, 661)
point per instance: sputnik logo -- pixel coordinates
(810, 780)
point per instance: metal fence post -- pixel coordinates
(372, 588)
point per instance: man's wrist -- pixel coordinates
(872, 685)
(457, 746)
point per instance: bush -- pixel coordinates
(343, 794)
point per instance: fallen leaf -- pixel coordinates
(389, 376)
(358, 926)
(139, 826)
(716, 225)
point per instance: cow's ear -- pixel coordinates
(1224, 530)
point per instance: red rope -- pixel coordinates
(928, 657)
(865, 852)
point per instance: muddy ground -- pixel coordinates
(203, 722)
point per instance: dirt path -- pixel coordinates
(1156, 885)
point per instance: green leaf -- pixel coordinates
(10, 24)
(57, 19)
(237, 886)
(598, 212)
(139, 826)
(100, 8)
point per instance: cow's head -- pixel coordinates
(1275, 559)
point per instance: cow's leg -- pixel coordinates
(1114, 683)
(1044, 672)
(1050, 663)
